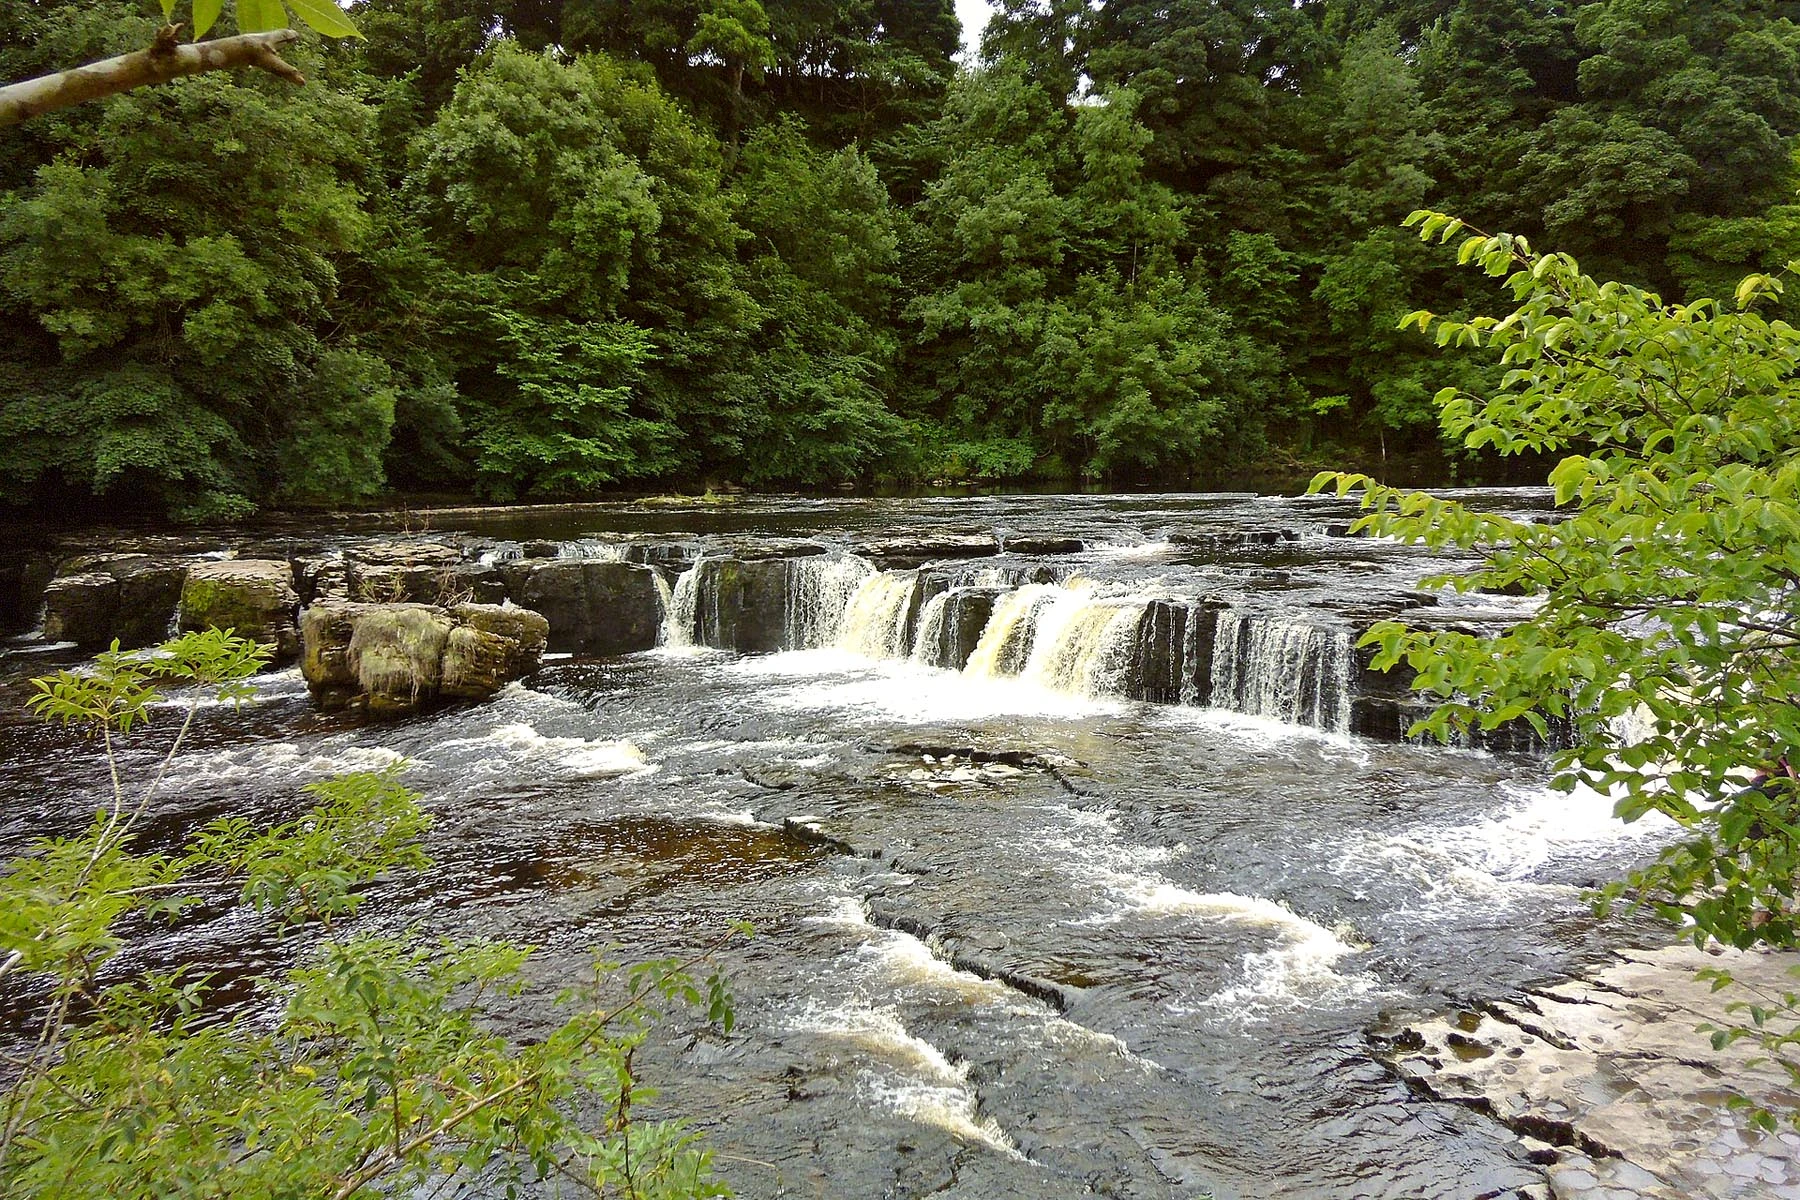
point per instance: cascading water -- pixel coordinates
(933, 622)
(879, 619)
(665, 596)
(819, 591)
(1085, 646)
(680, 608)
(1005, 645)
(1292, 671)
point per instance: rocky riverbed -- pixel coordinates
(1088, 855)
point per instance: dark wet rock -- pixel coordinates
(82, 608)
(1227, 539)
(902, 552)
(290, 548)
(673, 557)
(593, 607)
(954, 635)
(475, 583)
(254, 597)
(389, 659)
(1606, 1080)
(1173, 658)
(24, 574)
(743, 604)
(320, 577)
(776, 548)
(540, 549)
(1037, 544)
(131, 598)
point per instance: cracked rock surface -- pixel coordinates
(1610, 1085)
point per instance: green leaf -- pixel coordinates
(205, 13)
(325, 17)
(261, 16)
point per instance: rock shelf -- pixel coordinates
(1610, 1086)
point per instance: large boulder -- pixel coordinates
(594, 607)
(388, 659)
(404, 570)
(81, 608)
(131, 598)
(741, 605)
(254, 596)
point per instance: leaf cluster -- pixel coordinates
(378, 1071)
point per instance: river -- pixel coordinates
(1019, 931)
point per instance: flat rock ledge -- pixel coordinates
(1611, 1087)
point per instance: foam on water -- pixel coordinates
(505, 746)
(896, 689)
(1269, 732)
(905, 1074)
(889, 958)
(1298, 971)
(1491, 861)
(276, 685)
(277, 762)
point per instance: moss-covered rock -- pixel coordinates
(255, 597)
(388, 659)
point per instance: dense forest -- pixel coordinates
(538, 249)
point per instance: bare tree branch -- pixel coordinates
(167, 58)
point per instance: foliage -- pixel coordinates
(1669, 580)
(522, 248)
(378, 1073)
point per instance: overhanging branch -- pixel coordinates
(167, 58)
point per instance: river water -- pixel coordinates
(1018, 934)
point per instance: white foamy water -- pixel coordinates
(877, 621)
(282, 762)
(276, 685)
(506, 746)
(1269, 733)
(890, 958)
(1490, 861)
(898, 689)
(1298, 971)
(903, 1073)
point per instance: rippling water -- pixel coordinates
(1013, 938)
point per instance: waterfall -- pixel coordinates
(1085, 646)
(1063, 638)
(1005, 643)
(681, 608)
(1191, 649)
(878, 620)
(819, 591)
(1293, 672)
(927, 647)
(665, 598)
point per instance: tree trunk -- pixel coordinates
(166, 59)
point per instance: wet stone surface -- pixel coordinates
(1609, 1076)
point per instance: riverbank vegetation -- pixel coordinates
(366, 1068)
(1667, 636)
(527, 251)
